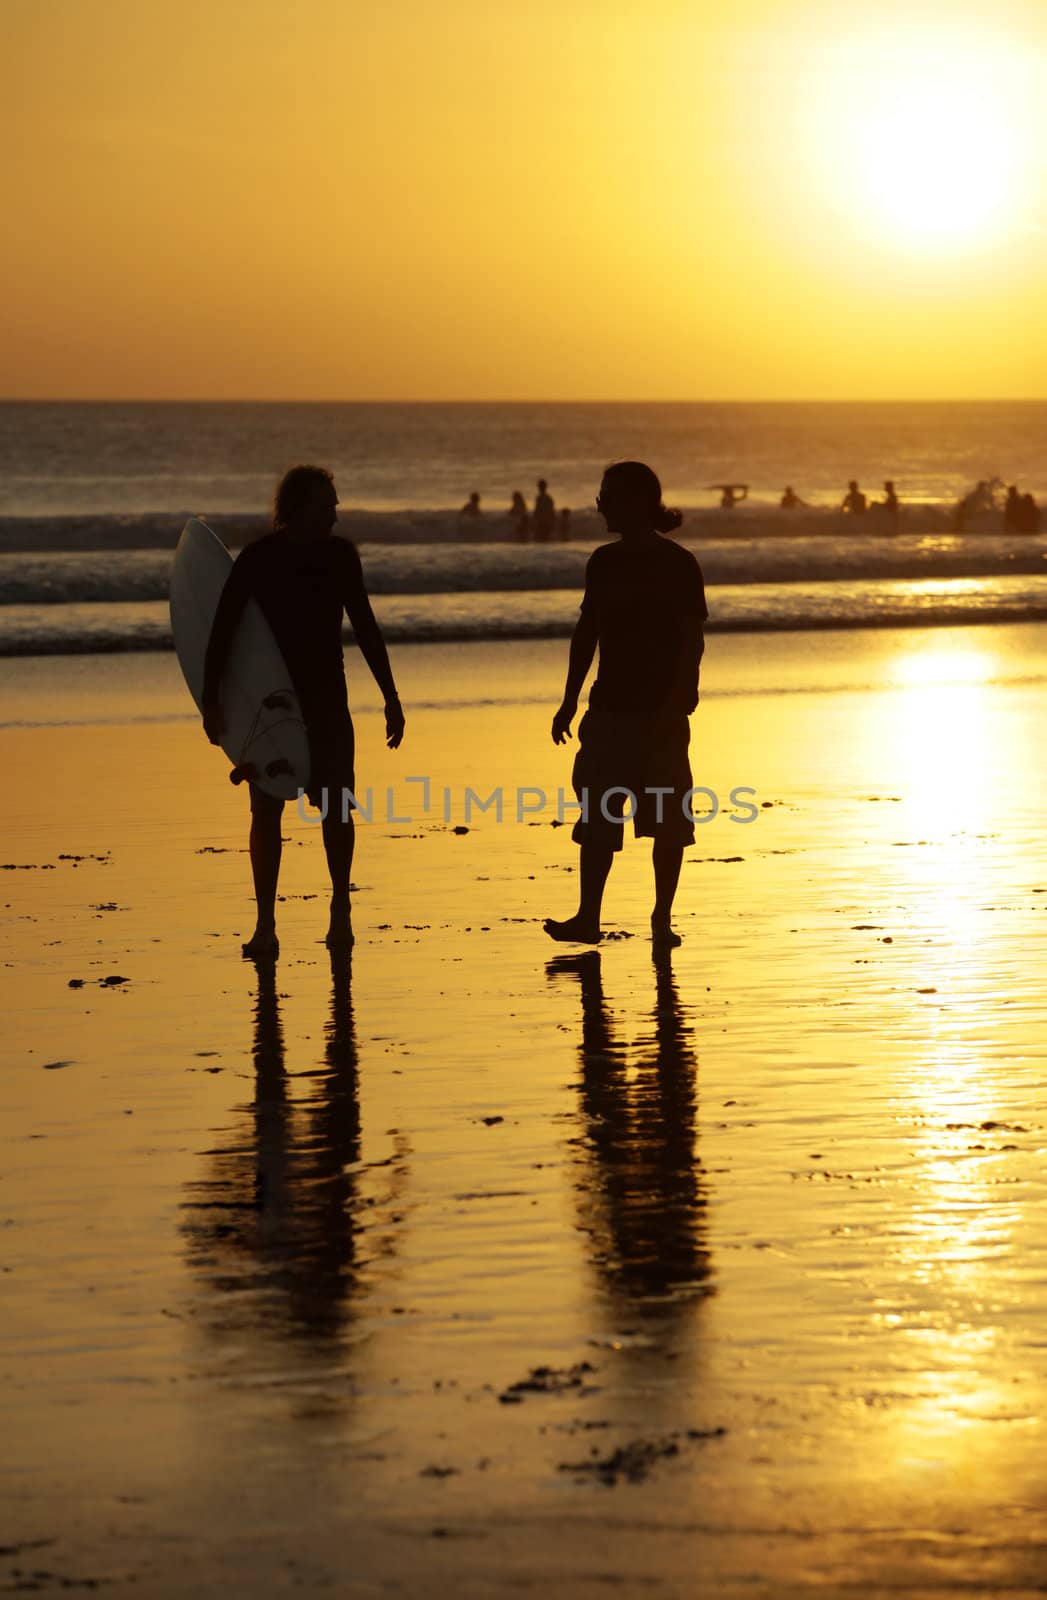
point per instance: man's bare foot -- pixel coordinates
(340, 932)
(263, 945)
(573, 931)
(663, 934)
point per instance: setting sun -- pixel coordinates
(929, 148)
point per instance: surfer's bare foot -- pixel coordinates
(663, 935)
(574, 931)
(262, 945)
(340, 932)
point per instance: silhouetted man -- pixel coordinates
(304, 579)
(544, 513)
(644, 607)
(472, 506)
(1012, 513)
(854, 502)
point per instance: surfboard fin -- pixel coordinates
(279, 769)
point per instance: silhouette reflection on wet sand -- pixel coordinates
(275, 1226)
(640, 1189)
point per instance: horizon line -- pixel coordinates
(757, 400)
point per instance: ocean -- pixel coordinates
(93, 496)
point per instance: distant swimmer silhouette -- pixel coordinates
(644, 607)
(791, 501)
(472, 506)
(731, 494)
(303, 578)
(565, 525)
(889, 503)
(1012, 515)
(520, 518)
(1030, 515)
(854, 502)
(544, 513)
(1021, 514)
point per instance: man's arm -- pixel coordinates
(684, 693)
(584, 640)
(368, 636)
(231, 603)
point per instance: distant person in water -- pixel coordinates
(644, 607)
(889, 503)
(1030, 515)
(1021, 514)
(520, 518)
(732, 495)
(303, 578)
(565, 524)
(544, 513)
(791, 501)
(1012, 509)
(854, 502)
(472, 506)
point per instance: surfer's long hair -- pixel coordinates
(293, 493)
(635, 480)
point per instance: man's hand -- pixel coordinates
(214, 721)
(394, 724)
(562, 722)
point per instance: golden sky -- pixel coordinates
(521, 199)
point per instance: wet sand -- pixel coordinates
(498, 1267)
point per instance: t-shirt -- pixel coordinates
(303, 587)
(641, 595)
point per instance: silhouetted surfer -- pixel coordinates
(732, 494)
(303, 579)
(544, 513)
(790, 500)
(644, 606)
(854, 502)
(1012, 515)
(521, 519)
(472, 506)
(1030, 515)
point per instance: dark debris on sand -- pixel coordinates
(633, 1462)
(550, 1380)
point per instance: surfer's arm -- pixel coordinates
(584, 640)
(684, 694)
(369, 637)
(230, 608)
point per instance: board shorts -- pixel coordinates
(637, 751)
(332, 758)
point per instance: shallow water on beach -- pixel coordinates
(486, 1263)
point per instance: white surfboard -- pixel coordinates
(265, 737)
